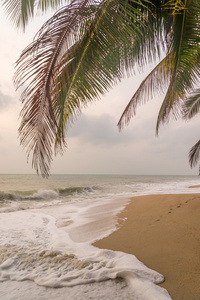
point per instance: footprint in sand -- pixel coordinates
(170, 211)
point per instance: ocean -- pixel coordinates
(48, 226)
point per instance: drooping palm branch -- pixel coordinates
(86, 48)
(192, 105)
(81, 52)
(191, 108)
(194, 155)
(186, 70)
(155, 82)
(184, 50)
(182, 72)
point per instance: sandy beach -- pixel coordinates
(163, 232)
(47, 232)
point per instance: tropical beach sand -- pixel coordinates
(163, 232)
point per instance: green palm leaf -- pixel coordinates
(184, 48)
(78, 54)
(39, 126)
(20, 11)
(89, 46)
(110, 52)
(158, 79)
(123, 47)
(192, 105)
(154, 82)
(194, 154)
(190, 109)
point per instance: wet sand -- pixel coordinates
(163, 231)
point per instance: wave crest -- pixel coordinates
(44, 194)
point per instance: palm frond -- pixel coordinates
(156, 40)
(20, 11)
(154, 82)
(37, 66)
(46, 4)
(106, 56)
(194, 154)
(184, 48)
(192, 105)
(77, 55)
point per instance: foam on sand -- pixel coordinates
(42, 247)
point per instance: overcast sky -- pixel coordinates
(94, 144)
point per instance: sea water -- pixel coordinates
(47, 228)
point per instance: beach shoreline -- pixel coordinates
(162, 231)
(48, 229)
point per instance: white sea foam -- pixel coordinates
(44, 194)
(49, 241)
(37, 249)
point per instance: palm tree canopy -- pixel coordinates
(179, 69)
(86, 48)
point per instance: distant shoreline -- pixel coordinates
(163, 232)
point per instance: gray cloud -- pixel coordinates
(137, 144)
(5, 101)
(101, 130)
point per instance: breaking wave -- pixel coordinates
(44, 194)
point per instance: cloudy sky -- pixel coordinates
(94, 144)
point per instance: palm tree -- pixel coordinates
(190, 109)
(87, 47)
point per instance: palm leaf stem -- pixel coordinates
(154, 81)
